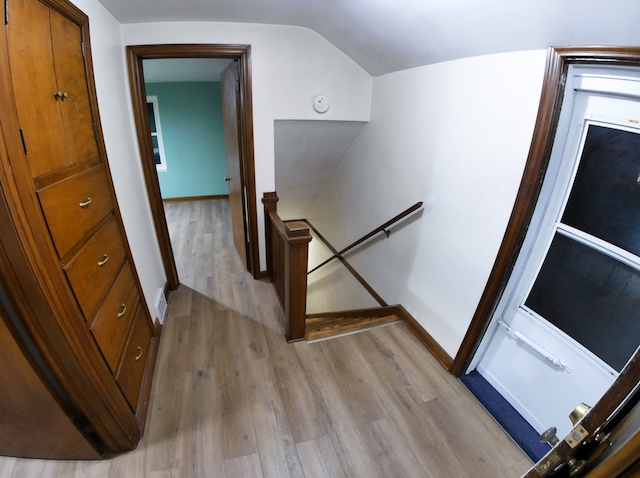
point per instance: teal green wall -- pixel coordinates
(193, 135)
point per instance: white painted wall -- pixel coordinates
(306, 155)
(456, 136)
(290, 66)
(116, 115)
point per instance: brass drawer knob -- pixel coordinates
(103, 261)
(139, 356)
(124, 309)
(85, 203)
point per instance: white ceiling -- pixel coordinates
(389, 35)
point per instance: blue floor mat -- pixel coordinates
(512, 422)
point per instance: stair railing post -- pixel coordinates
(270, 205)
(295, 296)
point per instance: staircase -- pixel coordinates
(287, 245)
(334, 324)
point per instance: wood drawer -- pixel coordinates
(65, 207)
(92, 270)
(113, 321)
(134, 359)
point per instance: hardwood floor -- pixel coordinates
(232, 399)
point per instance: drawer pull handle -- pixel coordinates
(124, 309)
(86, 203)
(139, 356)
(103, 261)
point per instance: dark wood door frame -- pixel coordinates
(558, 61)
(242, 53)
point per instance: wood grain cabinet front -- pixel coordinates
(136, 354)
(112, 323)
(65, 262)
(94, 268)
(73, 206)
(46, 51)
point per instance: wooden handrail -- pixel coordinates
(287, 247)
(377, 230)
(348, 266)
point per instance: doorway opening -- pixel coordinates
(240, 55)
(557, 120)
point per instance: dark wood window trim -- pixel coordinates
(242, 53)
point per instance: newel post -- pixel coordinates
(295, 270)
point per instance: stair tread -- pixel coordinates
(324, 327)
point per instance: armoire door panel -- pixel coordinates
(29, 403)
(68, 60)
(92, 270)
(70, 255)
(73, 206)
(34, 86)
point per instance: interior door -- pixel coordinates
(235, 170)
(568, 321)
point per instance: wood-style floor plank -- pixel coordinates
(93, 469)
(253, 342)
(201, 333)
(278, 454)
(231, 398)
(319, 458)
(405, 357)
(61, 469)
(341, 407)
(395, 457)
(173, 473)
(165, 430)
(306, 418)
(236, 423)
(130, 464)
(242, 467)
(203, 446)
(362, 400)
(29, 469)
(6, 466)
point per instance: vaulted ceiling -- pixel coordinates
(390, 35)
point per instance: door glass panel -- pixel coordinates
(605, 198)
(152, 117)
(156, 149)
(591, 297)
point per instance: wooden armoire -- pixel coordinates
(77, 342)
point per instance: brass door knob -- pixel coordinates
(549, 436)
(580, 411)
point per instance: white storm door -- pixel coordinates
(570, 317)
